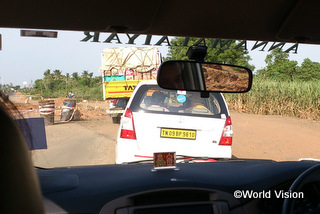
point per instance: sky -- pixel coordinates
(25, 59)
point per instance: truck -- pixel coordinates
(122, 68)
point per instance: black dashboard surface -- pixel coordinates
(87, 189)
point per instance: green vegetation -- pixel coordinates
(225, 51)
(54, 84)
(9, 87)
(274, 97)
(281, 88)
(279, 67)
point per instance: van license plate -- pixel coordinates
(178, 133)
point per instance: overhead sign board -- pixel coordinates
(165, 41)
(37, 33)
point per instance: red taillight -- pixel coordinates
(227, 133)
(127, 126)
(112, 101)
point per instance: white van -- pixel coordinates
(161, 120)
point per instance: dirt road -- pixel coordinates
(275, 137)
(86, 142)
(92, 140)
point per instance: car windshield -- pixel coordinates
(80, 83)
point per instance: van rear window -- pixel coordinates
(157, 100)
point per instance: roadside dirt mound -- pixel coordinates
(84, 109)
(22, 106)
(59, 102)
(92, 109)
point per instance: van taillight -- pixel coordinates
(227, 133)
(127, 126)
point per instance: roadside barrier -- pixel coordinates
(46, 109)
(68, 110)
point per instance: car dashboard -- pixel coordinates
(208, 187)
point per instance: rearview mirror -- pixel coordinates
(204, 76)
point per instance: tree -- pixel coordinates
(309, 70)
(58, 80)
(279, 66)
(75, 75)
(48, 80)
(47, 73)
(225, 51)
(85, 78)
(38, 85)
(67, 79)
(57, 75)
